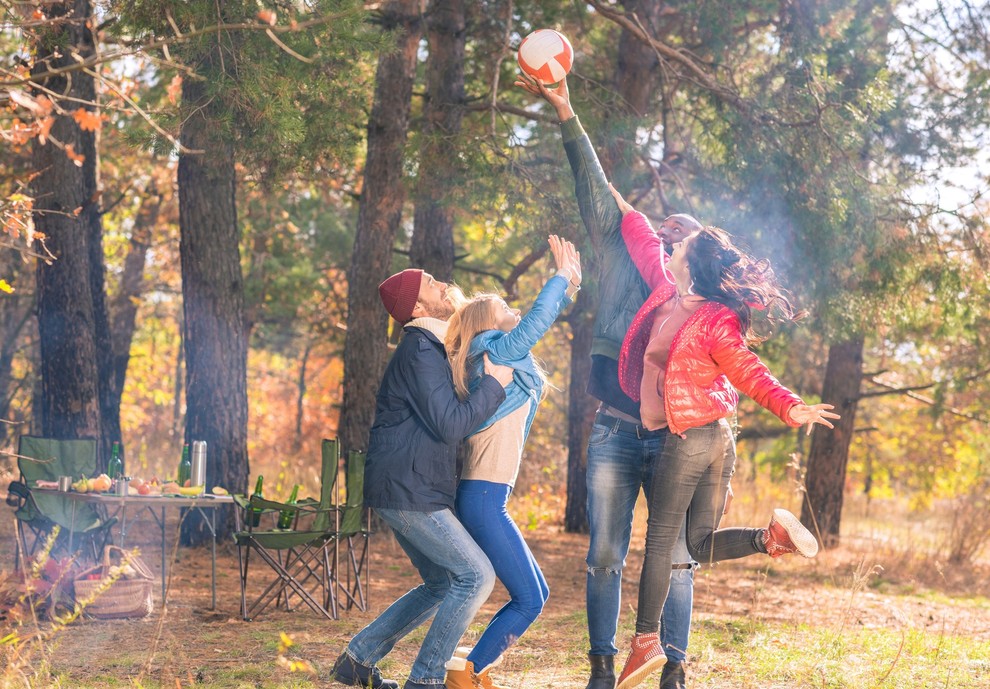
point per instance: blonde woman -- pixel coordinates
(487, 325)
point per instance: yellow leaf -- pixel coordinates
(5, 287)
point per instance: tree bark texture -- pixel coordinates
(67, 214)
(382, 199)
(826, 477)
(213, 302)
(580, 412)
(433, 228)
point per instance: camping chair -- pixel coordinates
(355, 530)
(300, 556)
(38, 511)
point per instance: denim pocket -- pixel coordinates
(599, 435)
(701, 440)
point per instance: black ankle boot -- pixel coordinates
(602, 672)
(673, 676)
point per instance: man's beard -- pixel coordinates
(442, 310)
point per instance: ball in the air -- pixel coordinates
(546, 55)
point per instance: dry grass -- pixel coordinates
(879, 611)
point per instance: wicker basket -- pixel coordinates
(130, 597)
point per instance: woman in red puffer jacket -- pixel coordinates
(683, 359)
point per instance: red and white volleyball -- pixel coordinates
(546, 55)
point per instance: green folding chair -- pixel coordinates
(299, 558)
(39, 511)
(354, 535)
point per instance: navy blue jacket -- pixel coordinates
(412, 451)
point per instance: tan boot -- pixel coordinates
(460, 674)
(485, 681)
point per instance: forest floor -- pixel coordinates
(859, 615)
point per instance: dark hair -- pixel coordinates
(722, 273)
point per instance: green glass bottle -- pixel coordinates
(255, 513)
(185, 466)
(115, 467)
(285, 516)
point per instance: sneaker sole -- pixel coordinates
(639, 676)
(803, 540)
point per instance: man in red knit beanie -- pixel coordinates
(410, 483)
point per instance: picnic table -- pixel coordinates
(157, 505)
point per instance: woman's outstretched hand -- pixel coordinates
(815, 413)
(558, 96)
(567, 258)
(624, 206)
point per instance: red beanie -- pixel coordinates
(400, 292)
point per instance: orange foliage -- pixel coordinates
(87, 120)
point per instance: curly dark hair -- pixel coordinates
(721, 272)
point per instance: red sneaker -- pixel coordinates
(646, 657)
(786, 534)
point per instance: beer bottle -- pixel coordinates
(115, 468)
(185, 466)
(285, 516)
(255, 513)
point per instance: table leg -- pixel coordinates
(161, 525)
(123, 524)
(213, 559)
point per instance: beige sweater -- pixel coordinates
(494, 453)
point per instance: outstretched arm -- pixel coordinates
(642, 242)
(549, 303)
(601, 216)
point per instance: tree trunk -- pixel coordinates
(580, 413)
(213, 303)
(124, 304)
(433, 235)
(382, 198)
(826, 478)
(67, 215)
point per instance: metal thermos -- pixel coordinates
(197, 475)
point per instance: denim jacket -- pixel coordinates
(513, 349)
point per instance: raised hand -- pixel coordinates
(815, 413)
(624, 206)
(566, 258)
(558, 97)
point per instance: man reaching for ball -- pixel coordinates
(621, 452)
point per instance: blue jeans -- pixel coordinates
(691, 476)
(481, 508)
(457, 579)
(620, 464)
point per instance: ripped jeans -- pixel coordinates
(620, 464)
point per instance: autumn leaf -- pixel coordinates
(5, 287)
(88, 120)
(45, 126)
(76, 158)
(267, 17)
(174, 89)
